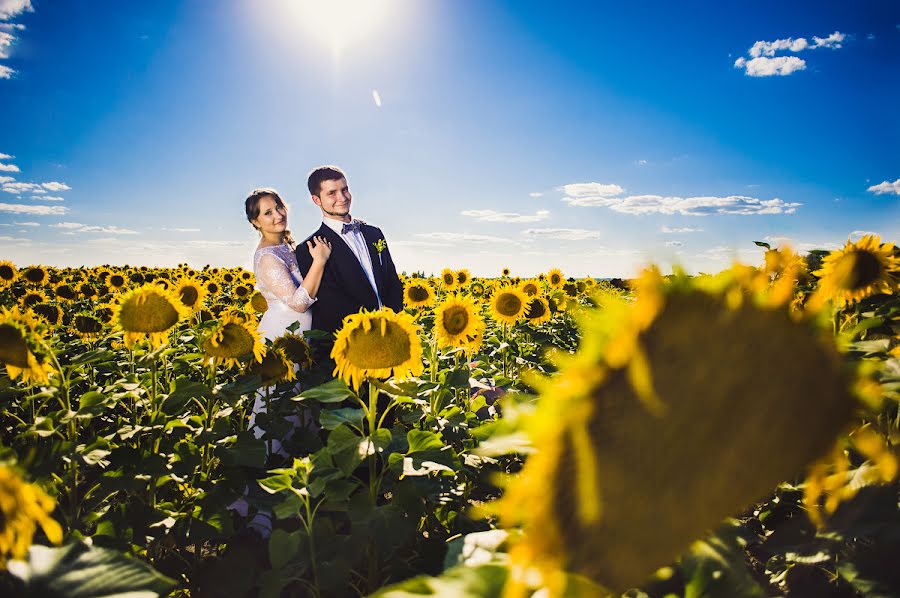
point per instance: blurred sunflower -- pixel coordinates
(537, 310)
(417, 293)
(232, 339)
(258, 303)
(557, 302)
(23, 348)
(448, 279)
(531, 288)
(504, 272)
(65, 292)
(457, 322)
(87, 326)
(148, 311)
(116, 280)
(191, 293)
(8, 273)
(35, 275)
(555, 278)
(136, 277)
(508, 304)
(463, 278)
(274, 368)
(52, 314)
(377, 344)
(32, 298)
(87, 290)
(295, 348)
(477, 289)
(644, 400)
(23, 507)
(857, 271)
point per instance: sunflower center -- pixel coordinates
(456, 319)
(509, 304)
(35, 275)
(370, 349)
(234, 342)
(48, 312)
(116, 280)
(530, 289)
(536, 309)
(448, 279)
(152, 314)
(418, 293)
(13, 350)
(66, 292)
(6, 273)
(555, 279)
(88, 325)
(189, 296)
(867, 268)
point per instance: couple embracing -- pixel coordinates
(341, 268)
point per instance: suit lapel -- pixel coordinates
(348, 269)
(371, 237)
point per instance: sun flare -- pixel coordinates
(338, 23)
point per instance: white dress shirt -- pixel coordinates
(357, 244)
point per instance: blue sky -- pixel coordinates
(591, 136)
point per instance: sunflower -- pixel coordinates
(258, 303)
(463, 278)
(531, 288)
(52, 314)
(212, 287)
(275, 367)
(23, 348)
(448, 279)
(136, 277)
(101, 273)
(8, 273)
(242, 291)
(377, 344)
(570, 289)
(555, 278)
(508, 304)
(227, 277)
(247, 277)
(537, 310)
(457, 322)
(504, 272)
(87, 290)
(116, 280)
(32, 298)
(88, 326)
(857, 271)
(417, 293)
(65, 292)
(23, 507)
(147, 311)
(295, 348)
(191, 293)
(623, 424)
(35, 274)
(232, 339)
(477, 289)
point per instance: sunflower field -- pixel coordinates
(722, 435)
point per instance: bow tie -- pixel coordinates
(351, 227)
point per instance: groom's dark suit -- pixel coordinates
(345, 288)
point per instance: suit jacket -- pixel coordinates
(345, 288)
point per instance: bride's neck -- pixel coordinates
(270, 240)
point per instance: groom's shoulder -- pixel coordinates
(371, 227)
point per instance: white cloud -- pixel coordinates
(18, 187)
(12, 8)
(511, 217)
(535, 194)
(182, 230)
(6, 72)
(462, 238)
(686, 229)
(766, 67)
(5, 238)
(674, 244)
(26, 223)
(215, 244)
(687, 206)
(770, 48)
(562, 234)
(376, 97)
(77, 227)
(833, 41)
(6, 41)
(6, 179)
(48, 198)
(6, 157)
(590, 190)
(9, 168)
(54, 186)
(886, 187)
(640, 162)
(16, 208)
(862, 233)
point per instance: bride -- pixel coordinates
(278, 277)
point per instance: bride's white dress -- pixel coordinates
(278, 278)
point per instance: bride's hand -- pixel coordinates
(321, 251)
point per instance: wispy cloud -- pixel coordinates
(6, 179)
(535, 194)
(26, 223)
(17, 187)
(495, 216)
(8, 10)
(764, 62)
(591, 190)
(562, 234)
(687, 206)
(13, 8)
(182, 230)
(462, 238)
(8, 168)
(77, 227)
(47, 198)
(674, 244)
(54, 186)
(684, 229)
(6, 156)
(16, 208)
(886, 188)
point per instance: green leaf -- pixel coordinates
(180, 397)
(330, 392)
(476, 548)
(761, 244)
(332, 418)
(245, 452)
(93, 356)
(82, 571)
(283, 546)
(276, 483)
(486, 581)
(344, 445)
(420, 440)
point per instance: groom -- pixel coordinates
(360, 272)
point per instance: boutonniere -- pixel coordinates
(380, 246)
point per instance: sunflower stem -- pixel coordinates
(372, 414)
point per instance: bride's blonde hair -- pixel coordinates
(251, 206)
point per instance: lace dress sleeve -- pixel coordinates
(276, 277)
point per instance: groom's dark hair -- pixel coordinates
(323, 173)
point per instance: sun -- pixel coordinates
(338, 23)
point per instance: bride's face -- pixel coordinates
(272, 217)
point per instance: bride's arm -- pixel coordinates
(274, 274)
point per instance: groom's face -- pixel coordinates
(334, 198)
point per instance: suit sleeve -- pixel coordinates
(393, 287)
(304, 259)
